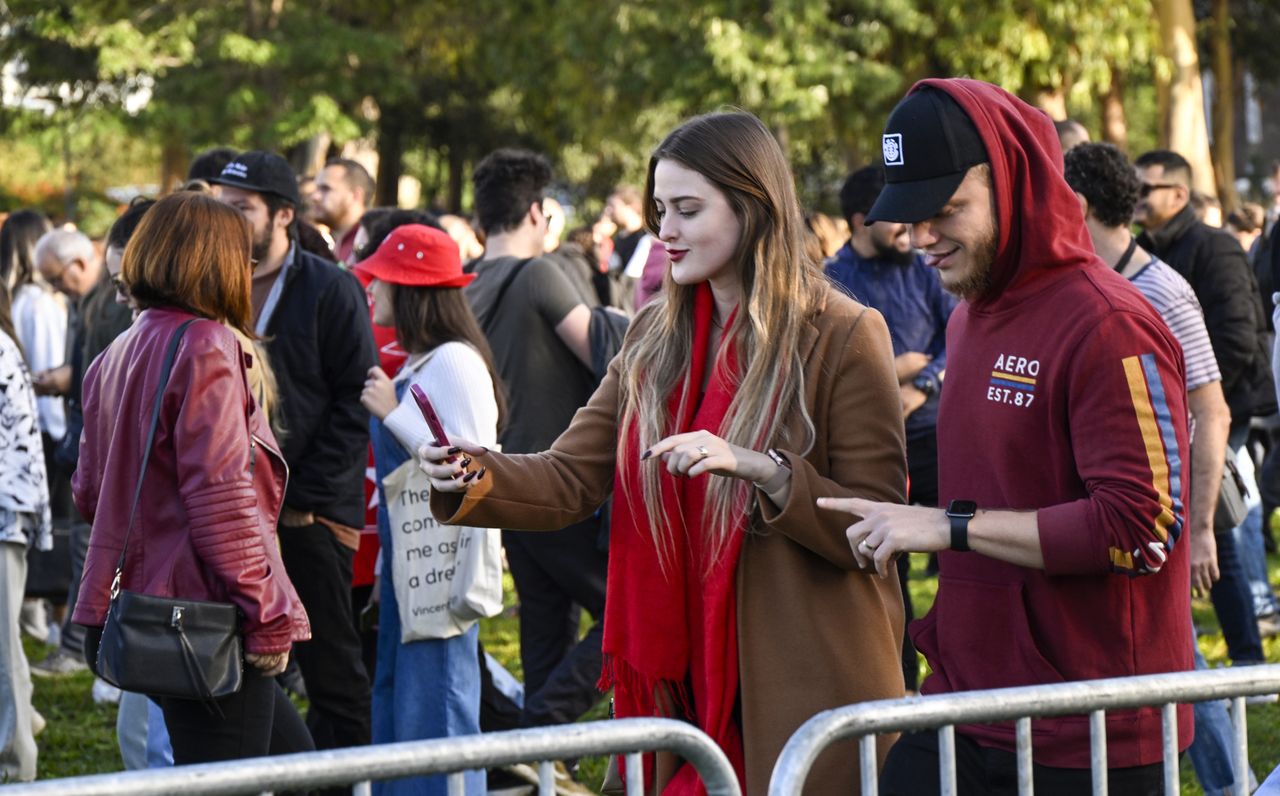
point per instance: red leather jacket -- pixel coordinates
(205, 525)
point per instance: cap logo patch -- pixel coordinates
(236, 169)
(892, 146)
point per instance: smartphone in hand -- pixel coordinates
(433, 420)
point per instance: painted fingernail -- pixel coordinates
(645, 455)
(466, 462)
(480, 474)
(467, 478)
(454, 450)
(483, 451)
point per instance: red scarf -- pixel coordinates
(674, 628)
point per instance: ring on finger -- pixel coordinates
(863, 544)
(703, 452)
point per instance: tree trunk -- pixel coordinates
(1187, 129)
(457, 167)
(1224, 99)
(310, 155)
(1052, 101)
(390, 157)
(174, 158)
(1115, 125)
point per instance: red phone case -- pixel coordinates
(429, 413)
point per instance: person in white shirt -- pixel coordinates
(429, 686)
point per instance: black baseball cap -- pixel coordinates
(264, 172)
(929, 144)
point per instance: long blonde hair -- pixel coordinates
(781, 286)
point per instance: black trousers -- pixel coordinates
(256, 721)
(912, 770)
(337, 683)
(922, 469)
(556, 575)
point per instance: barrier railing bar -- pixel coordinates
(1169, 731)
(947, 759)
(339, 767)
(1006, 704)
(1098, 751)
(635, 774)
(362, 789)
(546, 778)
(867, 765)
(456, 784)
(1238, 720)
(1026, 782)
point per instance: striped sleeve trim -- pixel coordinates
(1155, 422)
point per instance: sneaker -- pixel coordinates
(1269, 625)
(59, 664)
(565, 784)
(33, 619)
(506, 781)
(37, 722)
(105, 693)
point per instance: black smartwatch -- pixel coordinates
(960, 512)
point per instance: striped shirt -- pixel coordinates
(1173, 298)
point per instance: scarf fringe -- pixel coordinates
(634, 692)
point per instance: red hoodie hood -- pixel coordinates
(1047, 232)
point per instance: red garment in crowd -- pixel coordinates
(391, 357)
(670, 620)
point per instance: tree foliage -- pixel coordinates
(595, 85)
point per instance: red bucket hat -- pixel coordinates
(418, 256)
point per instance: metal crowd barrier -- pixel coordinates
(452, 756)
(1095, 697)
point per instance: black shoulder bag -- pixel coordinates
(167, 646)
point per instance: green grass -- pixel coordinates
(80, 737)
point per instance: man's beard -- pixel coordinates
(261, 246)
(977, 283)
(890, 253)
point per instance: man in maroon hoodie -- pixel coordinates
(1062, 442)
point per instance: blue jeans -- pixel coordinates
(1233, 603)
(1248, 537)
(141, 733)
(423, 689)
(1211, 750)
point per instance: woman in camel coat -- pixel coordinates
(749, 390)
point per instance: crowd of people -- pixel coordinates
(717, 425)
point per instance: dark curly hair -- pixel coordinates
(379, 222)
(507, 183)
(861, 190)
(1105, 178)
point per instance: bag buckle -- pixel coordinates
(175, 620)
(115, 585)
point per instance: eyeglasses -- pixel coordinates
(119, 285)
(1148, 187)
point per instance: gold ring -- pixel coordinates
(703, 452)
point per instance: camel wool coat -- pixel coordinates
(814, 631)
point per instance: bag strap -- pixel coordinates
(501, 294)
(170, 354)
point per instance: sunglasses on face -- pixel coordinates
(1148, 187)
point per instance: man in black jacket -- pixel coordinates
(315, 320)
(1223, 281)
(1219, 272)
